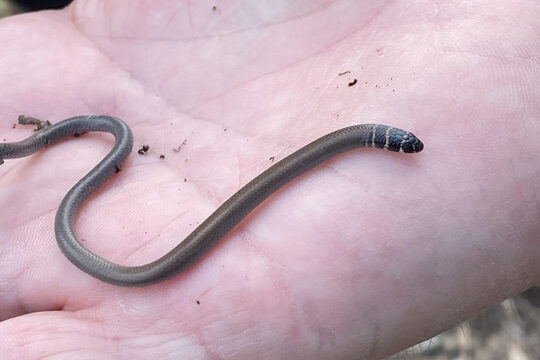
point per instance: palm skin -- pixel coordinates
(359, 258)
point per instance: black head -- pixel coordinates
(404, 141)
(411, 144)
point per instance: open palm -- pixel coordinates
(368, 253)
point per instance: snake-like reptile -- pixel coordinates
(207, 234)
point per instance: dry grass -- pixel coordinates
(510, 331)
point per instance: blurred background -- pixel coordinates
(9, 7)
(509, 331)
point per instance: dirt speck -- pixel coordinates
(179, 147)
(144, 149)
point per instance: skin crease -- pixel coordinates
(362, 257)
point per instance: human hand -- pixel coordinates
(368, 253)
